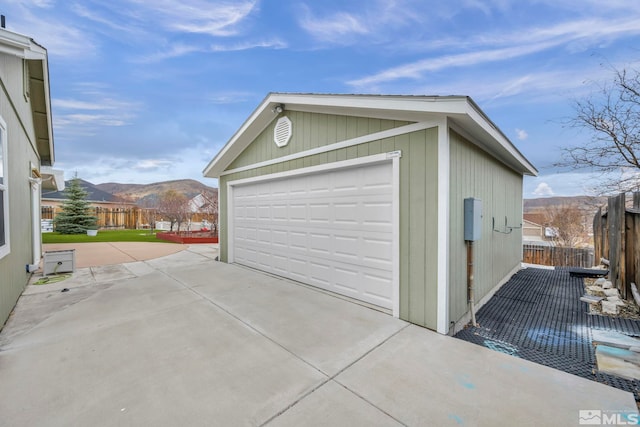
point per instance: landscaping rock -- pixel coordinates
(609, 307)
(615, 299)
(607, 284)
(600, 281)
(591, 299)
(611, 292)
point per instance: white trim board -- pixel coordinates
(393, 157)
(442, 319)
(389, 133)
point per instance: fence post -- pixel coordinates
(597, 234)
(616, 235)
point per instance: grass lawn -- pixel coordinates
(104, 236)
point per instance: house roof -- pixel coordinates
(94, 194)
(537, 218)
(460, 110)
(35, 57)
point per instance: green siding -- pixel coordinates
(474, 173)
(16, 112)
(311, 131)
(418, 192)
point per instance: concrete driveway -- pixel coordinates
(185, 340)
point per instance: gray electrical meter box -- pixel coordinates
(472, 219)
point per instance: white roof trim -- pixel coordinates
(55, 176)
(461, 109)
(21, 46)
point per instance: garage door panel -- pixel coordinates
(331, 230)
(320, 243)
(279, 238)
(297, 212)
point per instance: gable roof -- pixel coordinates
(460, 110)
(35, 57)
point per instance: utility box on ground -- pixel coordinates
(472, 219)
(59, 262)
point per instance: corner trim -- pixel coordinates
(443, 228)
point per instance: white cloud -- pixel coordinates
(415, 70)
(93, 109)
(150, 164)
(521, 134)
(195, 16)
(543, 190)
(180, 49)
(337, 27)
(228, 97)
(562, 184)
(187, 163)
(61, 37)
(273, 44)
(174, 51)
(525, 42)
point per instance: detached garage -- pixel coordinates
(363, 196)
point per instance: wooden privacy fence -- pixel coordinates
(616, 237)
(557, 256)
(129, 217)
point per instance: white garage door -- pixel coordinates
(332, 230)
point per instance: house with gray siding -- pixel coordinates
(363, 196)
(26, 160)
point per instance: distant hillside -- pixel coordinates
(587, 203)
(94, 193)
(144, 192)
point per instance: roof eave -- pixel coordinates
(35, 56)
(381, 106)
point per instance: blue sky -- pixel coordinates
(146, 91)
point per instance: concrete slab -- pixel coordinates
(188, 365)
(33, 309)
(333, 405)
(422, 378)
(111, 273)
(178, 260)
(109, 253)
(108, 306)
(328, 332)
(139, 268)
(197, 342)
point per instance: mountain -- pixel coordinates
(94, 193)
(584, 202)
(145, 192)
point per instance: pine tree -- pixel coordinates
(75, 217)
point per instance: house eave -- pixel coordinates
(460, 109)
(35, 57)
(52, 179)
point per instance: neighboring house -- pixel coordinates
(111, 211)
(205, 210)
(363, 195)
(532, 232)
(26, 158)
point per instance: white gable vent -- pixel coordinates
(282, 132)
